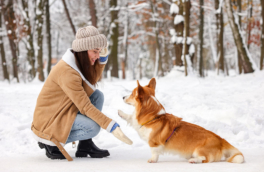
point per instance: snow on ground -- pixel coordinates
(232, 107)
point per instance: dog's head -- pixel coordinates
(144, 100)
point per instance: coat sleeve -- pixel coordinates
(71, 84)
(99, 70)
(100, 67)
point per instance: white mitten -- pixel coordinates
(121, 136)
(104, 52)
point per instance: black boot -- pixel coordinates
(87, 147)
(52, 152)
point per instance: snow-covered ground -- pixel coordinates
(232, 107)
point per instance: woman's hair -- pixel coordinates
(84, 64)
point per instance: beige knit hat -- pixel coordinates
(88, 38)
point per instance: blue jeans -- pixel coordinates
(84, 127)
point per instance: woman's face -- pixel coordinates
(93, 55)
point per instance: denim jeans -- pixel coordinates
(84, 127)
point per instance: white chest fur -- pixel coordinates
(143, 132)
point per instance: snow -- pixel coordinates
(172, 32)
(232, 107)
(178, 19)
(191, 49)
(174, 9)
(218, 11)
(189, 40)
(173, 39)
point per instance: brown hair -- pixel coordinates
(84, 64)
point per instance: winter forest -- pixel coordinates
(146, 38)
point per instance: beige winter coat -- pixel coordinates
(64, 93)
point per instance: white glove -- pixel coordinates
(104, 52)
(121, 136)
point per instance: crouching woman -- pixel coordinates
(69, 106)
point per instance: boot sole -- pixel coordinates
(84, 154)
(54, 157)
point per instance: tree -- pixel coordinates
(180, 10)
(48, 35)
(29, 39)
(68, 16)
(4, 65)
(239, 4)
(201, 38)
(39, 26)
(125, 44)
(220, 36)
(186, 44)
(240, 43)
(262, 36)
(177, 14)
(250, 8)
(93, 12)
(158, 65)
(10, 21)
(114, 37)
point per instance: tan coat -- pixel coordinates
(64, 93)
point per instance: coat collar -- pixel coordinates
(69, 58)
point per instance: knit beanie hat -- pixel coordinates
(88, 38)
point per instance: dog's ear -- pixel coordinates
(140, 91)
(152, 83)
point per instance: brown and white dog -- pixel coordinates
(166, 133)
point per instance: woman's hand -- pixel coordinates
(121, 136)
(103, 52)
(103, 55)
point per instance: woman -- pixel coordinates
(69, 107)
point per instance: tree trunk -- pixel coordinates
(262, 37)
(220, 36)
(4, 65)
(29, 47)
(201, 72)
(250, 3)
(179, 33)
(125, 43)
(39, 25)
(186, 12)
(93, 12)
(48, 35)
(239, 3)
(241, 46)
(114, 38)
(9, 17)
(158, 64)
(68, 16)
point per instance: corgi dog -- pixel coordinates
(166, 133)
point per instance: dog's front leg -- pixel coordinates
(125, 116)
(155, 151)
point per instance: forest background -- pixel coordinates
(147, 38)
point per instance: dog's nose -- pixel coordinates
(124, 97)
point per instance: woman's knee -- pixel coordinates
(95, 129)
(97, 99)
(100, 96)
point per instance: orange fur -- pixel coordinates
(189, 140)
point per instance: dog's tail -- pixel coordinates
(231, 153)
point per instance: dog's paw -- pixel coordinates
(121, 114)
(192, 161)
(152, 161)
